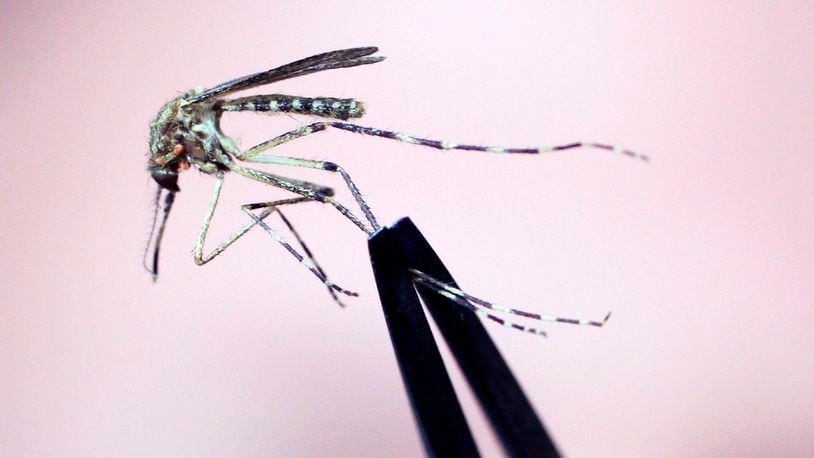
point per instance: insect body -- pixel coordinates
(186, 133)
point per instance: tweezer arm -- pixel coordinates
(498, 391)
(436, 409)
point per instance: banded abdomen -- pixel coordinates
(326, 107)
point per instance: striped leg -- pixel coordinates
(467, 300)
(253, 154)
(306, 189)
(296, 187)
(437, 144)
(450, 292)
(200, 258)
(268, 208)
(309, 261)
(321, 165)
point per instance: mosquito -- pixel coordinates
(186, 133)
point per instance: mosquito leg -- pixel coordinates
(327, 166)
(450, 292)
(253, 155)
(296, 187)
(199, 257)
(268, 209)
(313, 260)
(308, 260)
(283, 138)
(437, 144)
(463, 302)
(306, 189)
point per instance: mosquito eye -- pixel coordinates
(165, 177)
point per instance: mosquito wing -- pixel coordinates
(325, 61)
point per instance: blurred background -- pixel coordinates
(705, 254)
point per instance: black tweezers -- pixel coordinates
(444, 431)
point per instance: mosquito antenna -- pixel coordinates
(168, 201)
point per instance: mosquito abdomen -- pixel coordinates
(326, 107)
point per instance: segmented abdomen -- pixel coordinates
(326, 107)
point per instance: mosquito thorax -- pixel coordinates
(177, 136)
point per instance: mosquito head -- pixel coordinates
(168, 133)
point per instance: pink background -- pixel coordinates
(705, 255)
